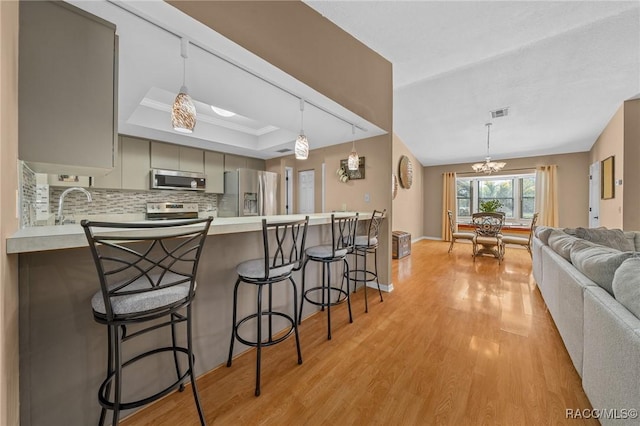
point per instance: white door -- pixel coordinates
(288, 192)
(594, 195)
(306, 192)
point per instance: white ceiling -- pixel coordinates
(563, 68)
(219, 73)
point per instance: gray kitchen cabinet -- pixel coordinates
(67, 90)
(135, 163)
(67, 180)
(113, 179)
(234, 162)
(175, 157)
(191, 160)
(165, 156)
(214, 170)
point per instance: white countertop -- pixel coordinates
(42, 238)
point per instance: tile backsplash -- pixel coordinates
(113, 201)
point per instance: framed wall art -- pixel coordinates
(607, 178)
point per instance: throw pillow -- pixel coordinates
(543, 232)
(626, 285)
(561, 243)
(613, 238)
(597, 262)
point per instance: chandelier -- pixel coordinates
(488, 166)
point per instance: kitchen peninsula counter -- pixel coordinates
(43, 238)
(63, 350)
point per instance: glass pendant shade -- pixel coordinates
(301, 148)
(183, 113)
(353, 163)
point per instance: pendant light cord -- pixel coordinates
(301, 116)
(488, 132)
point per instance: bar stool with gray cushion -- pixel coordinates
(343, 234)
(283, 244)
(365, 245)
(456, 235)
(147, 282)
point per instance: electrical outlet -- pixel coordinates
(367, 198)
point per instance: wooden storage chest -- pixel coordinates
(401, 244)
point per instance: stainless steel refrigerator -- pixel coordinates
(249, 193)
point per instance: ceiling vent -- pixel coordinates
(499, 113)
(283, 150)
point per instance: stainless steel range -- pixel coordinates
(165, 211)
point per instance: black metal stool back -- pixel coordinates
(343, 238)
(146, 271)
(368, 244)
(284, 244)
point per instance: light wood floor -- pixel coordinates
(456, 343)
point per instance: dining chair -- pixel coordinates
(522, 241)
(488, 236)
(455, 235)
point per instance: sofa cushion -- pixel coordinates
(561, 243)
(626, 285)
(598, 262)
(613, 238)
(543, 232)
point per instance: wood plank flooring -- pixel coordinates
(456, 343)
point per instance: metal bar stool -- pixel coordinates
(364, 245)
(283, 254)
(343, 232)
(147, 282)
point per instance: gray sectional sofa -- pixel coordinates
(590, 282)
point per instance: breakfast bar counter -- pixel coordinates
(63, 350)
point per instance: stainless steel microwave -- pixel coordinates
(173, 179)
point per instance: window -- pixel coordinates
(515, 192)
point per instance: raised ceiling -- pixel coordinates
(563, 68)
(218, 73)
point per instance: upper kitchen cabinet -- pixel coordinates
(175, 157)
(67, 90)
(214, 169)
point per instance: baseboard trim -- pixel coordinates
(387, 288)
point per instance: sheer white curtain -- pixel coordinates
(547, 195)
(449, 201)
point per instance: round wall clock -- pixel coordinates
(394, 186)
(406, 172)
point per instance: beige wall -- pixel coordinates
(573, 188)
(377, 181)
(9, 390)
(631, 176)
(621, 138)
(611, 143)
(408, 206)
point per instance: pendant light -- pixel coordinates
(353, 163)
(488, 166)
(183, 112)
(302, 144)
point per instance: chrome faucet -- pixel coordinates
(59, 216)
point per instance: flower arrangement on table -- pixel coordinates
(343, 176)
